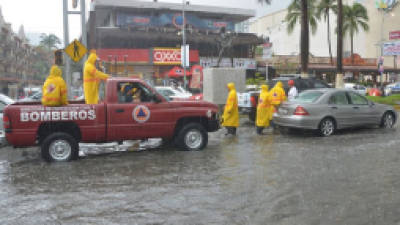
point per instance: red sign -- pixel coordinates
(167, 56)
(220, 24)
(172, 56)
(394, 35)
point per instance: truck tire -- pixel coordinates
(59, 147)
(192, 137)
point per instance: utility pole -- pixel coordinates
(184, 44)
(66, 13)
(67, 73)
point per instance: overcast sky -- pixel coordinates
(45, 16)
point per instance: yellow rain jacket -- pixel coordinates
(264, 108)
(54, 91)
(278, 94)
(91, 80)
(231, 111)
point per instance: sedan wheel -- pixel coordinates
(387, 120)
(326, 127)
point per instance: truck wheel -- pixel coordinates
(192, 136)
(59, 147)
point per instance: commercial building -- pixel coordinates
(137, 38)
(284, 47)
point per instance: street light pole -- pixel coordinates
(66, 42)
(184, 43)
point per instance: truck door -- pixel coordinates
(137, 114)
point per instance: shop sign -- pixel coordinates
(394, 35)
(167, 56)
(391, 48)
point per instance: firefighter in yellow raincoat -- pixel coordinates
(231, 111)
(54, 92)
(91, 80)
(278, 94)
(264, 109)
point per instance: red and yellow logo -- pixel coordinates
(141, 113)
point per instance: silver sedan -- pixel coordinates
(327, 110)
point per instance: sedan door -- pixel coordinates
(364, 113)
(340, 108)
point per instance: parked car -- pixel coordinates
(37, 96)
(393, 88)
(360, 89)
(301, 84)
(172, 92)
(4, 101)
(327, 110)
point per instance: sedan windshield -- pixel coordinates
(308, 96)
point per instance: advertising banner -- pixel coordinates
(167, 56)
(394, 35)
(391, 48)
(172, 19)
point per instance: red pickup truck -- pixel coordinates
(117, 117)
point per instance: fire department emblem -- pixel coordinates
(51, 88)
(141, 113)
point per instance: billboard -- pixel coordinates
(172, 20)
(394, 35)
(391, 48)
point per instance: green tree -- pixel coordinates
(324, 8)
(305, 11)
(354, 16)
(49, 41)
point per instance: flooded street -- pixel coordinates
(352, 178)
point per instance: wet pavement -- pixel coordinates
(352, 178)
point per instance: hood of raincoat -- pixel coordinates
(231, 86)
(92, 58)
(55, 72)
(279, 84)
(264, 87)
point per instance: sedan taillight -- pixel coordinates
(300, 111)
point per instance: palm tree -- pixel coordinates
(354, 16)
(303, 10)
(339, 65)
(50, 41)
(324, 9)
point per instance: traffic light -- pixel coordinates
(58, 57)
(74, 4)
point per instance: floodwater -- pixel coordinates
(350, 178)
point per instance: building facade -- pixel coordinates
(137, 38)
(16, 60)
